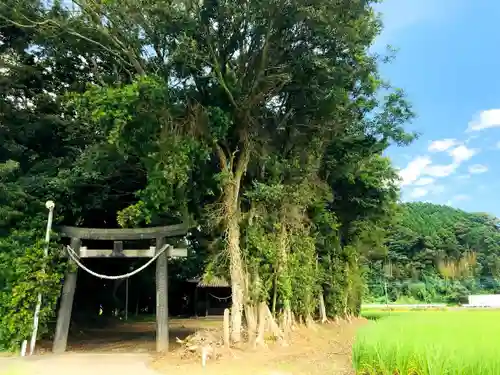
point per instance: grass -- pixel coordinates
(430, 343)
(378, 313)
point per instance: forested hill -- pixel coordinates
(437, 253)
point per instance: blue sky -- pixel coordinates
(448, 64)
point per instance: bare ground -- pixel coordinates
(127, 349)
(78, 364)
(326, 349)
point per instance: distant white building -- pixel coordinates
(484, 300)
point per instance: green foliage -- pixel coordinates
(140, 119)
(304, 277)
(24, 273)
(437, 253)
(429, 343)
(44, 154)
(149, 113)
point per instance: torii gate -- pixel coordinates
(159, 234)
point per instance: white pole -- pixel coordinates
(50, 206)
(23, 348)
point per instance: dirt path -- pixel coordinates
(78, 364)
(323, 350)
(326, 349)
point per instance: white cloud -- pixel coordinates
(485, 120)
(442, 145)
(472, 137)
(414, 169)
(419, 192)
(437, 189)
(464, 176)
(478, 168)
(461, 154)
(424, 181)
(441, 170)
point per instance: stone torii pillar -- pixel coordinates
(159, 234)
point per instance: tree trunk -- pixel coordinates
(231, 203)
(322, 308)
(261, 330)
(287, 320)
(252, 313)
(251, 319)
(284, 273)
(273, 327)
(275, 292)
(227, 317)
(346, 301)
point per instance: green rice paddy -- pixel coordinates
(461, 342)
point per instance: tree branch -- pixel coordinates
(242, 161)
(96, 17)
(70, 31)
(222, 157)
(220, 77)
(263, 61)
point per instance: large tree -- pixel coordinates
(266, 113)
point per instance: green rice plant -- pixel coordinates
(377, 314)
(430, 343)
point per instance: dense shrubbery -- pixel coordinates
(25, 273)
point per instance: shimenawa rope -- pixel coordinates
(220, 298)
(73, 255)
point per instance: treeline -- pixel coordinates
(437, 254)
(262, 124)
